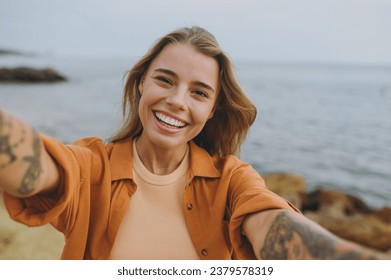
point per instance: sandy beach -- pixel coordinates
(19, 242)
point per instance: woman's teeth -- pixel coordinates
(170, 121)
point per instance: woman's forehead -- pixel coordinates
(185, 61)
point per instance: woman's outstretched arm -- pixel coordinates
(25, 166)
(283, 235)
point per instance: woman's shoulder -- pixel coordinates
(90, 142)
(225, 166)
(81, 148)
(96, 144)
(102, 149)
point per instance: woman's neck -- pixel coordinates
(158, 160)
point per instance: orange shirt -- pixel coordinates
(97, 185)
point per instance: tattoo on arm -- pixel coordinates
(288, 238)
(7, 148)
(31, 177)
(9, 153)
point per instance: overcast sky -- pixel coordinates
(331, 31)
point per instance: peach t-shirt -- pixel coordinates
(154, 225)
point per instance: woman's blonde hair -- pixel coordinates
(224, 133)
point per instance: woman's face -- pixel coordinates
(179, 93)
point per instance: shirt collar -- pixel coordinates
(201, 163)
(121, 164)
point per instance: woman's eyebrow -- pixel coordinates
(166, 71)
(206, 86)
(172, 73)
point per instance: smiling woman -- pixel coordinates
(178, 96)
(168, 184)
(233, 112)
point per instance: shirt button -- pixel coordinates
(189, 206)
(204, 252)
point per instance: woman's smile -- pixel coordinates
(170, 122)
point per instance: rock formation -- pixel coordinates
(343, 214)
(30, 75)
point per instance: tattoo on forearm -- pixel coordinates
(7, 147)
(31, 177)
(290, 239)
(9, 152)
(6, 151)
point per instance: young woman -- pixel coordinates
(168, 184)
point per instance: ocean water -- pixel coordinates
(329, 123)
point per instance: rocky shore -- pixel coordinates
(26, 74)
(30, 75)
(343, 214)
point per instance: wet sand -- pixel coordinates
(19, 242)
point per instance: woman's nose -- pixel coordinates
(177, 98)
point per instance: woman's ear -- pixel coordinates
(211, 115)
(141, 86)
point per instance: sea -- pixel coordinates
(329, 123)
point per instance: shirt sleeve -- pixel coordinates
(248, 194)
(60, 208)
